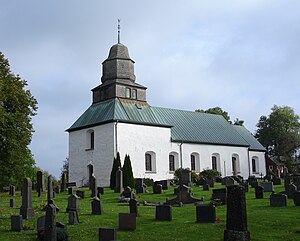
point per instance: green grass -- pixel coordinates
(264, 222)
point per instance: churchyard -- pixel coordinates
(265, 221)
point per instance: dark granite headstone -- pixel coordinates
(107, 234)
(163, 213)
(206, 214)
(210, 182)
(50, 188)
(119, 181)
(268, 186)
(229, 181)
(97, 206)
(205, 187)
(139, 185)
(127, 193)
(291, 189)
(276, 181)
(70, 190)
(220, 194)
(157, 189)
(40, 182)
(296, 198)
(252, 180)
(278, 200)
(73, 203)
(245, 185)
(184, 196)
(185, 178)
(127, 221)
(50, 223)
(12, 190)
(133, 206)
(63, 184)
(16, 223)
(26, 209)
(12, 203)
(73, 217)
(236, 219)
(165, 184)
(93, 186)
(80, 194)
(259, 192)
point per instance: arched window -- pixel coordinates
(173, 161)
(215, 162)
(235, 164)
(90, 139)
(254, 163)
(134, 94)
(128, 93)
(195, 162)
(150, 161)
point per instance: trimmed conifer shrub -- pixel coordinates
(128, 179)
(115, 167)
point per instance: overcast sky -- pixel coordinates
(243, 56)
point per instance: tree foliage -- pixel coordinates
(65, 169)
(17, 107)
(279, 133)
(115, 167)
(219, 111)
(128, 179)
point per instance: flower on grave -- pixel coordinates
(218, 220)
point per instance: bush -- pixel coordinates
(128, 179)
(148, 181)
(209, 173)
(177, 173)
(115, 167)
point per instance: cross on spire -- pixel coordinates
(119, 20)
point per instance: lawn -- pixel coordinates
(264, 222)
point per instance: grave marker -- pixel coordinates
(26, 209)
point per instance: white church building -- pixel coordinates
(159, 140)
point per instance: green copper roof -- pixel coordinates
(186, 126)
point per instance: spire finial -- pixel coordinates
(119, 20)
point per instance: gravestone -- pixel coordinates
(157, 189)
(40, 226)
(163, 213)
(80, 194)
(291, 189)
(50, 223)
(139, 185)
(296, 198)
(12, 203)
(63, 185)
(165, 184)
(70, 190)
(133, 206)
(57, 189)
(287, 181)
(73, 217)
(236, 219)
(205, 187)
(107, 234)
(12, 190)
(210, 182)
(97, 206)
(50, 188)
(40, 182)
(268, 186)
(259, 192)
(93, 186)
(184, 196)
(16, 223)
(206, 214)
(100, 190)
(276, 181)
(245, 185)
(252, 181)
(127, 221)
(220, 194)
(119, 181)
(278, 200)
(229, 181)
(73, 203)
(127, 193)
(185, 178)
(26, 209)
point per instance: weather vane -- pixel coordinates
(119, 20)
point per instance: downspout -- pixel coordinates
(116, 137)
(180, 150)
(249, 162)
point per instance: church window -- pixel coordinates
(150, 160)
(171, 163)
(128, 93)
(254, 164)
(193, 163)
(90, 140)
(148, 163)
(214, 162)
(134, 94)
(235, 164)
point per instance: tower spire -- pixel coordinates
(119, 20)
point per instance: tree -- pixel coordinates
(65, 169)
(17, 107)
(115, 167)
(128, 179)
(279, 133)
(218, 111)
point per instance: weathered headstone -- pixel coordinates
(157, 189)
(259, 192)
(50, 188)
(12, 203)
(245, 185)
(97, 206)
(63, 185)
(252, 180)
(165, 184)
(133, 206)
(40, 184)
(236, 219)
(296, 198)
(291, 189)
(185, 178)
(127, 221)
(70, 190)
(127, 193)
(12, 190)
(206, 214)
(139, 185)
(220, 194)
(57, 189)
(210, 182)
(93, 186)
(73, 217)
(205, 187)
(268, 186)
(16, 223)
(119, 181)
(40, 224)
(50, 223)
(107, 234)
(80, 194)
(26, 209)
(163, 213)
(73, 203)
(229, 181)
(278, 200)
(184, 196)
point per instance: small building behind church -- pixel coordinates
(159, 140)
